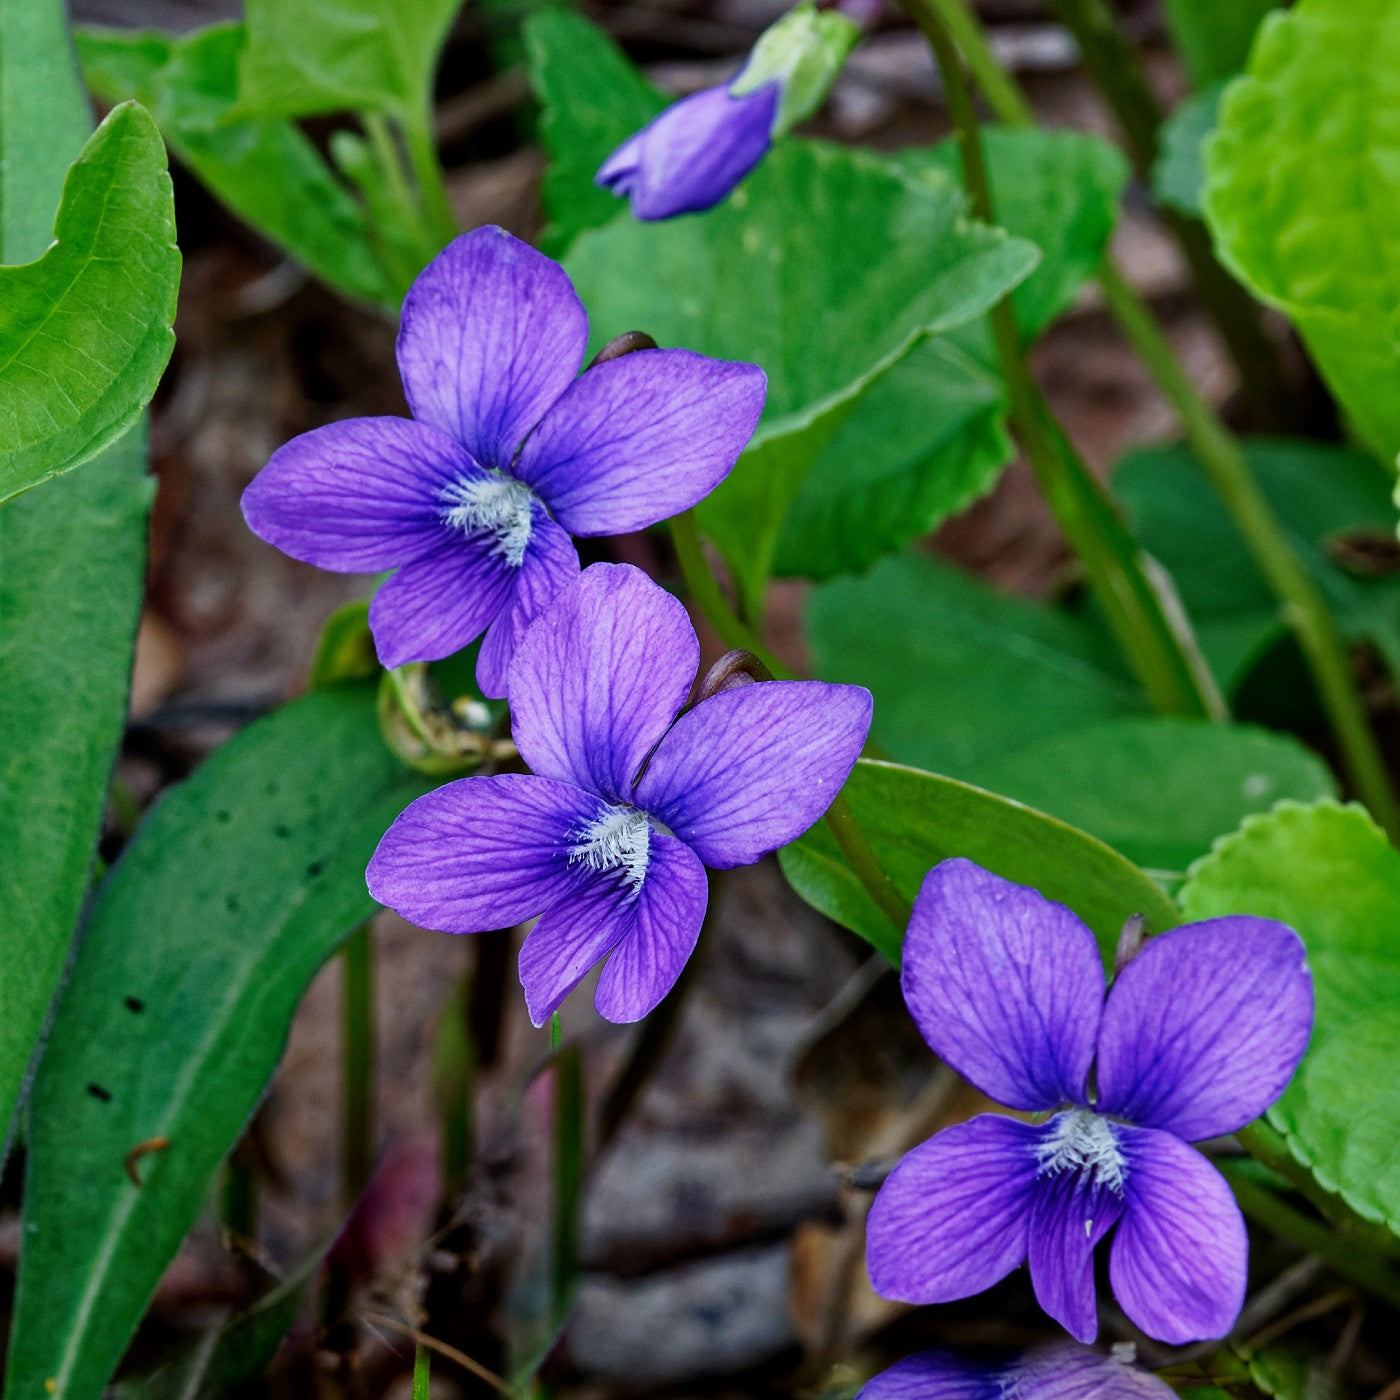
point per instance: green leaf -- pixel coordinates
(202, 939)
(1159, 789)
(305, 57)
(1028, 702)
(1331, 500)
(925, 440)
(264, 169)
(959, 672)
(1303, 197)
(914, 820)
(85, 330)
(1213, 36)
(591, 100)
(1329, 872)
(928, 438)
(782, 276)
(72, 564)
(1290, 1374)
(1179, 174)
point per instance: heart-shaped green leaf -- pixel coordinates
(1329, 872)
(264, 168)
(1029, 702)
(85, 330)
(781, 275)
(913, 820)
(202, 939)
(310, 56)
(1214, 38)
(1303, 197)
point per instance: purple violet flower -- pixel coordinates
(509, 452)
(694, 153)
(1055, 1373)
(607, 841)
(1200, 1034)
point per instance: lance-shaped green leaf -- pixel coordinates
(264, 168)
(72, 563)
(1029, 702)
(203, 937)
(913, 820)
(1329, 872)
(783, 276)
(85, 330)
(1303, 197)
(310, 56)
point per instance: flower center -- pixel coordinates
(618, 839)
(1083, 1142)
(497, 505)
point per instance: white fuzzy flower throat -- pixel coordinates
(497, 505)
(619, 839)
(1083, 1142)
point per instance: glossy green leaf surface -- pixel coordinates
(202, 938)
(264, 168)
(1179, 174)
(1329, 872)
(781, 276)
(1303, 193)
(915, 819)
(1213, 36)
(72, 566)
(592, 98)
(85, 330)
(1029, 702)
(310, 56)
(928, 438)
(1336, 506)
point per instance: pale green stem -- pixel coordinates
(421, 1371)
(1303, 607)
(427, 174)
(1147, 620)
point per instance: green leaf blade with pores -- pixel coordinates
(201, 941)
(85, 330)
(72, 565)
(1303, 193)
(264, 168)
(1028, 701)
(308, 57)
(914, 819)
(1329, 872)
(780, 276)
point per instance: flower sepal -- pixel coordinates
(445, 739)
(804, 52)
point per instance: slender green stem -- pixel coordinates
(454, 1086)
(390, 162)
(421, 1371)
(357, 1049)
(1120, 75)
(998, 86)
(861, 857)
(1147, 619)
(568, 1177)
(1342, 1255)
(705, 590)
(427, 175)
(1303, 606)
